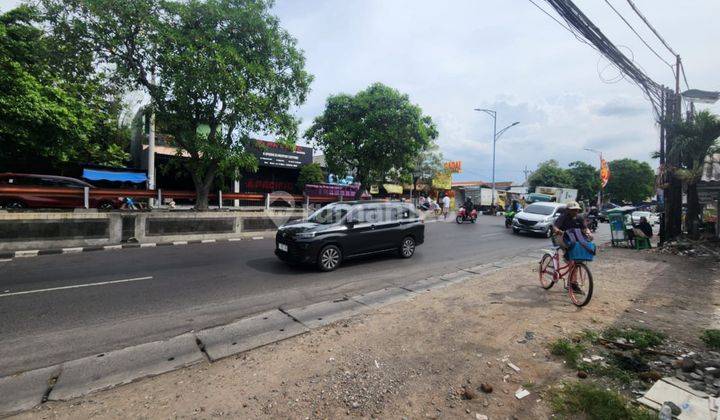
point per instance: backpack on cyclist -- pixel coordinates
(580, 249)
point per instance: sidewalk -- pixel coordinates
(412, 359)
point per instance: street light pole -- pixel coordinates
(599, 199)
(496, 136)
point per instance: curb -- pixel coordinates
(75, 378)
(76, 250)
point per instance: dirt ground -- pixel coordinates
(414, 359)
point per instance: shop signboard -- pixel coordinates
(276, 155)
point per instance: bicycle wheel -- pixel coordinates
(582, 278)
(547, 272)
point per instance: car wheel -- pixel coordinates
(105, 205)
(15, 204)
(407, 247)
(329, 258)
(516, 231)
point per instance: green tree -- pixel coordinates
(426, 165)
(585, 179)
(224, 64)
(694, 140)
(631, 181)
(550, 174)
(310, 174)
(373, 133)
(49, 108)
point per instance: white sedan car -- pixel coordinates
(652, 218)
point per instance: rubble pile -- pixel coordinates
(690, 248)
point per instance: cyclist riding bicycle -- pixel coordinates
(571, 219)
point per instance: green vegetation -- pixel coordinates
(711, 338)
(216, 71)
(631, 181)
(550, 174)
(54, 104)
(376, 134)
(569, 351)
(310, 174)
(641, 338)
(592, 402)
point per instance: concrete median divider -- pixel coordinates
(248, 333)
(382, 297)
(323, 313)
(93, 373)
(26, 390)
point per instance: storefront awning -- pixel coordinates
(393, 188)
(100, 175)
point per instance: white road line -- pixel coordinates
(234, 239)
(77, 286)
(180, 243)
(108, 247)
(22, 254)
(208, 241)
(72, 250)
(492, 234)
(6, 260)
(257, 237)
(148, 245)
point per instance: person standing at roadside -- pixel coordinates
(446, 206)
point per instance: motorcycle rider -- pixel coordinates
(468, 206)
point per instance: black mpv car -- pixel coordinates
(349, 229)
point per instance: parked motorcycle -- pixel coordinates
(509, 216)
(463, 216)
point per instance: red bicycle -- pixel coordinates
(576, 277)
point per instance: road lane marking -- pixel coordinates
(76, 286)
(257, 238)
(492, 234)
(180, 243)
(234, 239)
(109, 247)
(72, 250)
(23, 254)
(208, 241)
(148, 245)
(6, 259)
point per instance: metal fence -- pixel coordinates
(162, 197)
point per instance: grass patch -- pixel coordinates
(592, 402)
(711, 338)
(641, 338)
(590, 335)
(569, 351)
(609, 370)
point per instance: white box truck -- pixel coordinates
(562, 195)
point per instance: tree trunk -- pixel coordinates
(202, 189)
(693, 211)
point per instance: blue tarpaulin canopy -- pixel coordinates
(100, 175)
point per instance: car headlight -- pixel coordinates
(305, 235)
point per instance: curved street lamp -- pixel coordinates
(496, 136)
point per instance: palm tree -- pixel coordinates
(694, 140)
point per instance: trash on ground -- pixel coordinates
(695, 405)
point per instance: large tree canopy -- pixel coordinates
(60, 110)
(550, 174)
(631, 181)
(372, 133)
(585, 178)
(222, 64)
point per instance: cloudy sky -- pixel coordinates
(453, 56)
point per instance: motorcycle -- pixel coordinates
(463, 216)
(592, 222)
(509, 216)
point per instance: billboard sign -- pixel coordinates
(276, 155)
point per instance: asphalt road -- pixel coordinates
(148, 294)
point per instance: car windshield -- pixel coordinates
(539, 209)
(329, 215)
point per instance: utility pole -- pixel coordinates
(527, 172)
(496, 136)
(151, 148)
(663, 169)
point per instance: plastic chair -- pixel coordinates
(642, 243)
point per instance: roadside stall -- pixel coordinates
(621, 225)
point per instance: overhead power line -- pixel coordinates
(579, 38)
(576, 19)
(639, 36)
(644, 19)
